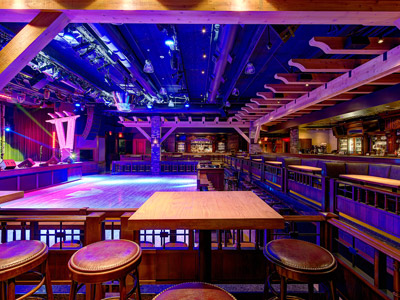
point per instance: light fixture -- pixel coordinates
(269, 44)
(77, 104)
(307, 84)
(202, 72)
(235, 92)
(123, 101)
(148, 67)
(163, 91)
(149, 105)
(227, 103)
(68, 35)
(8, 129)
(250, 69)
(187, 104)
(169, 42)
(203, 30)
(204, 55)
(380, 40)
(171, 103)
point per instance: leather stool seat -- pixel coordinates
(194, 291)
(19, 257)
(300, 261)
(105, 261)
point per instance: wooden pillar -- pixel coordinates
(155, 145)
(294, 140)
(254, 133)
(396, 280)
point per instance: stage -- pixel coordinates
(104, 191)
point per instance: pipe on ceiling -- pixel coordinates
(227, 38)
(112, 43)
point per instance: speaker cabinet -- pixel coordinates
(27, 163)
(53, 161)
(7, 164)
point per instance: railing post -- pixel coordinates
(380, 267)
(93, 230)
(396, 280)
(332, 195)
(126, 234)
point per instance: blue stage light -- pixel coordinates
(169, 42)
(77, 104)
(8, 129)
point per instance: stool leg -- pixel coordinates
(310, 291)
(49, 288)
(283, 288)
(73, 290)
(98, 292)
(122, 288)
(138, 295)
(333, 289)
(11, 289)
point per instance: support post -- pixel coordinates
(155, 145)
(254, 132)
(294, 140)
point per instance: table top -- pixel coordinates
(205, 210)
(273, 162)
(306, 168)
(393, 183)
(257, 159)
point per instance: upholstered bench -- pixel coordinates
(194, 291)
(300, 261)
(106, 261)
(19, 257)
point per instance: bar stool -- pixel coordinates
(300, 261)
(19, 257)
(194, 291)
(105, 261)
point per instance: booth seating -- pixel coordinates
(313, 264)
(105, 261)
(20, 257)
(194, 291)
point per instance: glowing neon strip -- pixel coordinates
(54, 140)
(305, 198)
(273, 183)
(385, 234)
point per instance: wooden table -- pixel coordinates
(205, 211)
(6, 196)
(273, 162)
(306, 168)
(374, 180)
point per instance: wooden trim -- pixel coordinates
(242, 134)
(143, 132)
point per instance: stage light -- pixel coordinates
(187, 104)
(149, 105)
(227, 104)
(148, 67)
(73, 155)
(380, 40)
(171, 103)
(203, 30)
(169, 42)
(202, 72)
(204, 55)
(77, 105)
(235, 92)
(8, 129)
(163, 91)
(68, 36)
(250, 69)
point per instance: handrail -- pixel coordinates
(366, 238)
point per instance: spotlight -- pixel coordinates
(204, 55)
(163, 91)
(77, 104)
(149, 105)
(171, 103)
(187, 104)
(148, 67)
(269, 45)
(8, 129)
(68, 35)
(202, 72)
(169, 42)
(380, 40)
(235, 92)
(227, 104)
(203, 30)
(250, 69)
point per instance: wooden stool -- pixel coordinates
(19, 257)
(194, 291)
(300, 261)
(105, 261)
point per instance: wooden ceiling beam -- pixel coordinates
(326, 65)
(28, 42)
(288, 89)
(275, 102)
(381, 66)
(336, 45)
(271, 96)
(319, 79)
(364, 12)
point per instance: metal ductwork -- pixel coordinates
(227, 38)
(113, 43)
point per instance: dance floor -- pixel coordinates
(104, 191)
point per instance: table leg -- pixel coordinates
(205, 255)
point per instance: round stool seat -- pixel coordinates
(194, 291)
(300, 255)
(104, 256)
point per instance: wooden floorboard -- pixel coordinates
(104, 191)
(6, 196)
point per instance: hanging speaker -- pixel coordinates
(27, 163)
(7, 164)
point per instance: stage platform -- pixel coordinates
(104, 191)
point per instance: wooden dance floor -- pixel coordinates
(104, 191)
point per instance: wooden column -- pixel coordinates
(28, 42)
(155, 145)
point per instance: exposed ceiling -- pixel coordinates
(242, 71)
